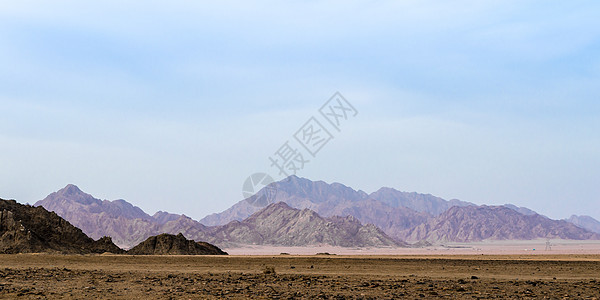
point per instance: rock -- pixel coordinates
(168, 244)
(28, 229)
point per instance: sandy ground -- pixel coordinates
(575, 276)
(535, 247)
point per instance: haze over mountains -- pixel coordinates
(277, 224)
(317, 213)
(396, 213)
(128, 225)
(331, 199)
(586, 222)
(476, 223)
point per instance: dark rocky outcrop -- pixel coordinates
(28, 229)
(168, 244)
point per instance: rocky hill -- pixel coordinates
(477, 223)
(168, 244)
(27, 229)
(585, 222)
(280, 225)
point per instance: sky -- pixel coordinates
(172, 105)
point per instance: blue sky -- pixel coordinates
(172, 105)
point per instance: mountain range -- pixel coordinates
(301, 212)
(28, 229)
(279, 224)
(334, 199)
(276, 224)
(477, 223)
(402, 215)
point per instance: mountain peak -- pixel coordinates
(282, 225)
(70, 193)
(279, 205)
(70, 189)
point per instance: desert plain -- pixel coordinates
(519, 274)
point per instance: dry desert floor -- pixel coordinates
(42, 276)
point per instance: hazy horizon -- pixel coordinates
(199, 218)
(172, 106)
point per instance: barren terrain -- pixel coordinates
(39, 276)
(502, 247)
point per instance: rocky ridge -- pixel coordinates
(281, 225)
(585, 222)
(477, 223)
(168, 244)
(28, 229)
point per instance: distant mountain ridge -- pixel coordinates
(128, 225)
(585, 222)
(522, 210)
(391, 210)
(297, 192)
(97, 217)
(425, 203)
(73, 196)
(477, 223)
(280, 225)
(316, 213)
